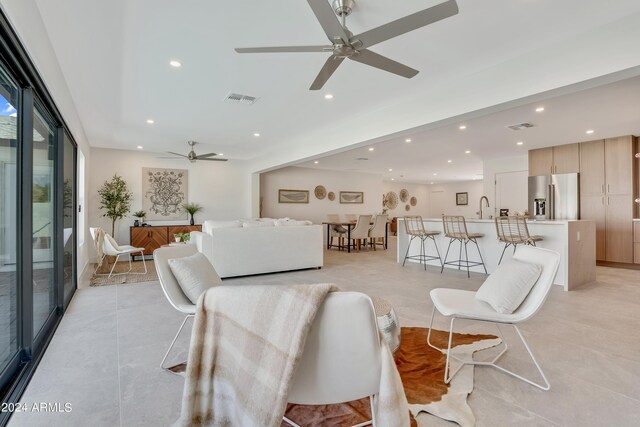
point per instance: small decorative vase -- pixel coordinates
(177, 239)
(192, 222)
(136, 223)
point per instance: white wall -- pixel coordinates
(442, 198)
(24, 16)
(222, 188)
(297, 178)
(507, 164)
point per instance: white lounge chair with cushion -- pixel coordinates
(341, 360)
(111, 248)
(460, 304)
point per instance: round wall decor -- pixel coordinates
(407, 207)
(414, 201)
(404, 195)
(390, 200)
(331, 196)
(320, 192)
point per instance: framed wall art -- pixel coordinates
(293, 196)
(462, 198)
(351, 197)
(164, 191)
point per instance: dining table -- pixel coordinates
(348, 225)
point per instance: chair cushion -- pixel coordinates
(194, 274)
(509, 285)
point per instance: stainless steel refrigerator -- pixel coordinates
(554, 196)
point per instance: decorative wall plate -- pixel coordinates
(331, 196)
(320, 192)
(413, 201)
(390, 200)
(404, 195)
(407, 207)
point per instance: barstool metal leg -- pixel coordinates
(437, 251)
(446, 256)
(466, 257)
(503, 249)
(480, 254)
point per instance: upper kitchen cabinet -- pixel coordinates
(619, 164)
(592, 177)
(553, 160)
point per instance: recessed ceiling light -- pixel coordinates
(449, 161)
(220, 154)
(467, 152)
(390, 170)
(393, 179)
(434, 174)
(256, 134)
(462, 127)
(328, 96)
(407, 140)
(519, 143)
(539, 109)
(431, 183)
(139, 147)
(316, 162)
(175, 64)
(590, 131)
(371, 148)
(150, 121)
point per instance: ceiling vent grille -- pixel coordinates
(521, 126)
(236, 98)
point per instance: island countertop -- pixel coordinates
(574, 240)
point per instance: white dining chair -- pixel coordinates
(111, 248)
(377, 232)
(336, 231)
(360, 232)
(461, 304)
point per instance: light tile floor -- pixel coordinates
(104, 356)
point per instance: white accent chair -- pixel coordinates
(341, 358)
(361, 231)
(111, 248)
(460, 304)
(378, 231)
(172, 289)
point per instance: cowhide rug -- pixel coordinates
(422, 370)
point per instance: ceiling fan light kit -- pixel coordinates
(344, 45)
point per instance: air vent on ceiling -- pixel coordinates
(521, 126)
(236, 98)
(362, 158)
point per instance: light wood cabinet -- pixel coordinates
(552, 160)
(636, 242)
(619, 164)
(619, 228)
(594, 208)
(152, 237)
(592, 175)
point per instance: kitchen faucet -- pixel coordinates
(483, 198)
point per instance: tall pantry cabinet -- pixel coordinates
(608, 184)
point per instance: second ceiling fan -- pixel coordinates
(345, 45)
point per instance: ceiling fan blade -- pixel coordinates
(406, 24)
(212, 160)
(166, 157)
(327, 70)
(283, 49)
(382, 62)
(176, 154)
(328, 20)
(207, 155)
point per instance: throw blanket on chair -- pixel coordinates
(99, 243)
(245, 346)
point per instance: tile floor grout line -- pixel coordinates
(118, 358)
(475, 386)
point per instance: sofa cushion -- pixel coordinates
(209, 225)
(256, 223)
(283, 222)
(194, 274)
(509, 285)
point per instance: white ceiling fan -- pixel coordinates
(192, 156)
(345, 45)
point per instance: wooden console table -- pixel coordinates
(152, 237)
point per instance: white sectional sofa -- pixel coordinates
(240, 248)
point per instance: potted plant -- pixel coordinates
(115, 200)
(140, 215)
(178, 237)
(186, 237)
(192, 209)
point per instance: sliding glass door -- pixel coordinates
(9, 312)
(69, 218)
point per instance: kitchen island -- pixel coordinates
(574, 240)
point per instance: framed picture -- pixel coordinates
(351, 197)
(462, 198)
(293, 196)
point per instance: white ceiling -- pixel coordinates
(609, 110)
(114, 56)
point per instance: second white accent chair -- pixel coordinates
(341, 360)
(377, 231)
(360, 233)
(111, 248)
(460, 304)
